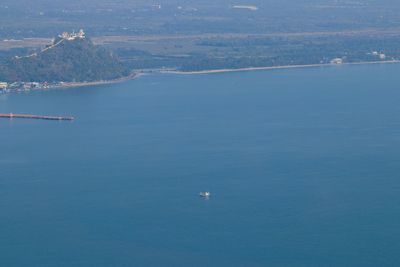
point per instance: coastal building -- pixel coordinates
(337, 61)
(3, 85)
(380, 55)
(31, 85)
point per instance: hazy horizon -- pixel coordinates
(45, 18)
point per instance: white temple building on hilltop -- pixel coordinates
(72, 36)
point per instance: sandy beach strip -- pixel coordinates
(275, 67)
(96, 83)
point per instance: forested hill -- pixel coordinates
(66, 60)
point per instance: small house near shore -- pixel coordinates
(3, 85)
(337, 61)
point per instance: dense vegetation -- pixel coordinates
(218, 52)
(71, 61)
(197, 35)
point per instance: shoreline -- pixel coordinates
(275, 67)
(139, 73)
(132, 76)
(68, 85)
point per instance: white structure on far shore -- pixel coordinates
(380, 55)
(3, 85)
(251, 8)
(337, 61)
(72, 36)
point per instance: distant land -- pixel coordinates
(192, 35)
(70, 58)
(189, 37)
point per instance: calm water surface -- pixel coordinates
(304, 167)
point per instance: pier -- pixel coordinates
(35, 117)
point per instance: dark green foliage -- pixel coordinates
(244, 51)
(70, 61)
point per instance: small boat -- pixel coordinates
(205, 194)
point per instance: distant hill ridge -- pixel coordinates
(72, 57)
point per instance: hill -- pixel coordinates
(70, 58)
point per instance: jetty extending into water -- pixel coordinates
(35, 117)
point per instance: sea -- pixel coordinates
(303, 167)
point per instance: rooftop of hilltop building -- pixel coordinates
(72, 36)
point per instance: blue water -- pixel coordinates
(303, 165)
